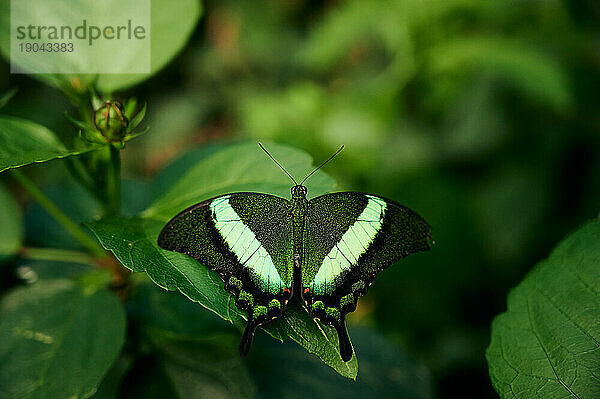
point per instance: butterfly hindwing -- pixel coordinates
(247, 239)
(349, 237)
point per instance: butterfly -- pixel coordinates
(325, 251)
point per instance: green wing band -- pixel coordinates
(347, 251)
(247, 239)
(244, 244)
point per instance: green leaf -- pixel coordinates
(57, 342)
(133, 241)
(548, 342)
(170, 30)
(173, 171)
(171, 314)
(186, 341)
(135, 135)
(137, 119)
(11, 233)
(23, 142)
(182, 370)
(111, 384)
(240, 167)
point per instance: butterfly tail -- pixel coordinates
(345, 345)
(247, 337)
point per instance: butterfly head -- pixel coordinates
(299, 191)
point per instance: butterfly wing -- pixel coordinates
(247, 239)
(349, 237)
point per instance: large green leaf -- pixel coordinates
(240, 167)
(171, 314)
(57, 340)
(11, 234)
(170, 28)
(190, 369)
(23, 142)
(548, 342)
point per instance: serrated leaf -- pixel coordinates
(240, 167)
(23, 142)
(133, 241)
(548, 342)
(11, 234)
(57, 342)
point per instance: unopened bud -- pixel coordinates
(110, 120)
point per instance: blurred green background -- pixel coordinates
(481, 115)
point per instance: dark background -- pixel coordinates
(480, 115)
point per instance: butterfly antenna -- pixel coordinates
(278, 164)
(323, 164)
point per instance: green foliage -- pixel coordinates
(57, 340)
(178, 326)
(184, 370)
(546, 344)
(170, 29)
(480, 115)
(247, 169)
(23, 142)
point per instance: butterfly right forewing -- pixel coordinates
(349, 238)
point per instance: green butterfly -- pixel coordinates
(326, 251)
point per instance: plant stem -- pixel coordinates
(113, 182)
(57, 255)
(58, 215)
(77, 170)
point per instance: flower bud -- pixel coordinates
(110, 120)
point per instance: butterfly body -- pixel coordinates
(325, 251)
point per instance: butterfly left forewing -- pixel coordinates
(247, 239)
(350, 237)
